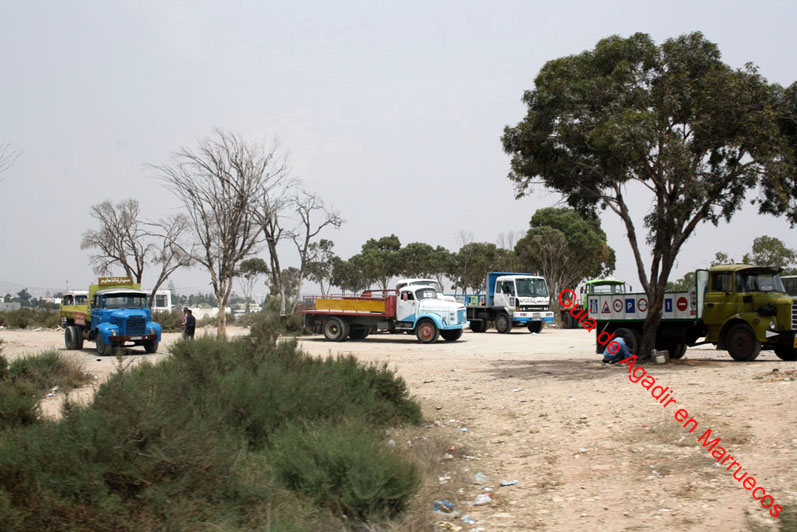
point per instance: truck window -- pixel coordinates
(508, 287)
(81, 300)
(532, 288)
(721, 282)
(758, 282)
(426, 293)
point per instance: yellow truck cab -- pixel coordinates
(747, 309)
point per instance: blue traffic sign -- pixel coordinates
(630, 306)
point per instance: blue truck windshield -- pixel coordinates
(531, 288)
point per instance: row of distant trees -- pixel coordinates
(766, 251)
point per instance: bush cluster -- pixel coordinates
(219, 436)
(27, 317)
(27, 379)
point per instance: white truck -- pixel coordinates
(510, 299)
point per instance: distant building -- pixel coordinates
(10, 307)
(163, 301)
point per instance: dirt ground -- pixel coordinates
(589, 449)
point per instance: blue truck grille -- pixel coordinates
(133, 325)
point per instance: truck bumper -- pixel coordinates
(785, 338)
(527, 317)
(133, 338)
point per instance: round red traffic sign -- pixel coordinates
(618, 305)
(642, 304)
(681, 304)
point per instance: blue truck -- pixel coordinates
(509, 299)
(115, 315)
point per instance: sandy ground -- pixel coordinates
(590, 449)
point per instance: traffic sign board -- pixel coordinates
(630, 305)
(642, 304)
(681, 304)
(618, 305)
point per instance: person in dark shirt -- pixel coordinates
(190, 325)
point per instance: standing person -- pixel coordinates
(182, 322)
(190, 325)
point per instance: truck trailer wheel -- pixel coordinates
(336, 330)
(742, 344)
(677, 351)
(478, 325)
(451, 335)
(70, 337)
(102, 348)
(427, 332)
(151, 346)
(503, 324)
(357, 332)
(535, 326)
(785, 352)
(632, 339)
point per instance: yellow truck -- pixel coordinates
(736, 307)
(115, 313)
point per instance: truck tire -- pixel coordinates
(357, 332)
(535, 326)
(503, 323)
(785, 352)
(451, 335)
(336, 329)
(102, 348)
(741, 343)
(676, 351)
(151, 346)
(427, 332)
(478, 326)
(632, 339)
(78, 337)
(70, 337)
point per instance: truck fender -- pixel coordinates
(106, 330)
(730, 322)
(434, 317)
(156, 327)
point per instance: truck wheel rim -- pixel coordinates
(426, 331)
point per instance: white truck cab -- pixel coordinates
(425, 282)
(417, 305)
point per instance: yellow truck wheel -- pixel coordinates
(741, 343)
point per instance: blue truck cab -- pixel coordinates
(121, 316)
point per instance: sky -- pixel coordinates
(391, 111)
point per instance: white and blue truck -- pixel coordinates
(508, 300)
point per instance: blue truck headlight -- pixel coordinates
(151, 330)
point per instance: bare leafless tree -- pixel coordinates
(307, 207)
(220, 183)
(8, 157)
(169, 251)
(271, 213)
(120, 239)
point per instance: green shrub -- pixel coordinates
(27, 317)
(47, 370)
(346, 469)
(19, 404)
(194, 442)
(169, 321)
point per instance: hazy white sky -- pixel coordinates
(373, 100)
